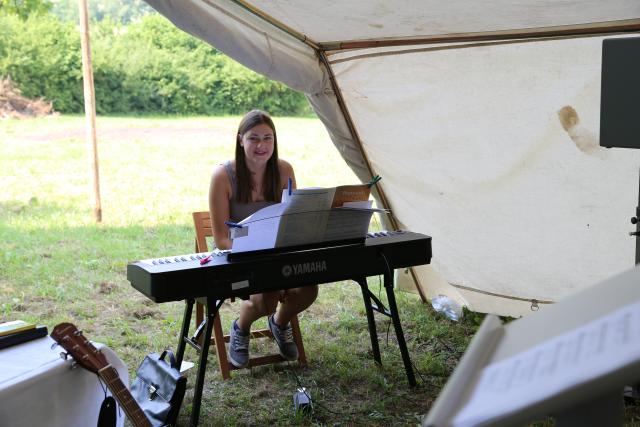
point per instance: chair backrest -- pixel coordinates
(202, 222)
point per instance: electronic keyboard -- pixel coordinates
(182, 277)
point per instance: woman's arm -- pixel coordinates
(286, 172)
(219, 194)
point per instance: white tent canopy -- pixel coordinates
(481, 117)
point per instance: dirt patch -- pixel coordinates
(106, 288)
(584, 139)
(145, 313)
(15, 106)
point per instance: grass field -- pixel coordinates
(57, 264)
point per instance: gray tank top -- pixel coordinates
(239, 211)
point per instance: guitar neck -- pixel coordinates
(123, 396)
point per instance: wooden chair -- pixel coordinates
(202, 222)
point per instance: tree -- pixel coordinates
(121, 11)
(24, 8)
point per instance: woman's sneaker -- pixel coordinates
(238, 346)
(284, 339)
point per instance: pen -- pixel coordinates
(232, 224)
(289, 185)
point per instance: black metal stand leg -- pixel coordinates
(375, 348)
(184, 333)
(393, 308)
(212, 311)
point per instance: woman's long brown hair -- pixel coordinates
(272, 188)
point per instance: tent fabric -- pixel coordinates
(490, 147)
(377, 19)
(480, 159)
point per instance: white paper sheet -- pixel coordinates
(306, 216)
(305, 199)
(577, 356)
(261, 229)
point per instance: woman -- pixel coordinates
(254, 180)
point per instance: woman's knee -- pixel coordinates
(303, 296)
(313, 292)
(265, 304)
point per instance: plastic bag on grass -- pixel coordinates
(445, 305)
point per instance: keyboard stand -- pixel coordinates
(392, 312)
(212, 307)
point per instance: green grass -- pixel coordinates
(57, 264)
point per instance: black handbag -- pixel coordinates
(159, 388)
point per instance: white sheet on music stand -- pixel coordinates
(303, 217)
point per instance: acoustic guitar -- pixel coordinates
(89, 357)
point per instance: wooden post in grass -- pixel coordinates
(90, 106)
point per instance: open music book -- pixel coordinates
(307, 216)
(570, 361)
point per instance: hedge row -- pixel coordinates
(146, 67)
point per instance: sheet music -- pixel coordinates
(308, 199)
(585, 353)
(263, 226)
(306, 216)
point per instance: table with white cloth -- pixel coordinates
(39, 388)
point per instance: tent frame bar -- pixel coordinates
(630, 25)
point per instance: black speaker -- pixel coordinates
(620, 93)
